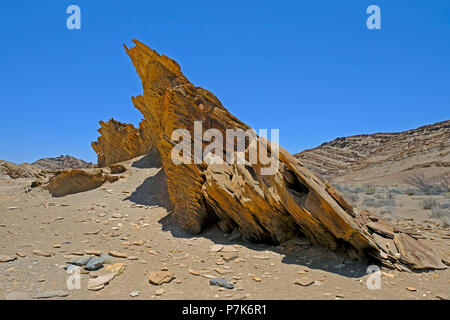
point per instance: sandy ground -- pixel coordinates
(116, 215)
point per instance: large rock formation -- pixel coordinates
(271, 208)
(120, 142)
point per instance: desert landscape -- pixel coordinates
(137, 225)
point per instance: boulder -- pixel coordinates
(77, 180)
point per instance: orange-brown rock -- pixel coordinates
(77, 180)
(270, 208)
(120, 142)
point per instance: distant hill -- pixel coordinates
(61, 163)
(374, 155)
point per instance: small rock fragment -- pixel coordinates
(228, 256)
(304, 282)
(51, 294)
(139, 243)
(93, 252)
(160, 277)
(118, 254)
(194, 273)
(42, 253)
(107, 258)
(21, 254)
(94, 264)
(216, 248)
(100, 282)
(160, 292)
(117, 268)
(134, 293)
(221, 283)
(4, 258)
(81, 261)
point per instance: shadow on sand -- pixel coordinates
(153, 192)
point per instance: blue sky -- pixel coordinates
(310, 68)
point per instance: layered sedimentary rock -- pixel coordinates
(264, 207)
(120, 142)
(372, 155)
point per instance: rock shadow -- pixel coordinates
(153, 192)
(314, 257)
(151, 160)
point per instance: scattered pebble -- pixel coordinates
(7, 258)
(51, 294)
(160, 292)
(100, 282)
(304, 282)
(221, 283)
(134, 293)
(118, 254)
(42, 253)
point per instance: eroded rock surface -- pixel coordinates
(270, 208)
(120, 142)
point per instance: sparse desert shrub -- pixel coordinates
(443, 214)
(442, 182)
(430, 186)
(428, 203)
(369, 189)
(395, 191)
(413, 192)
(377, 203)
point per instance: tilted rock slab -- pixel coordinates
(265, 208)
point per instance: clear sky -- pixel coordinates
(310, 68)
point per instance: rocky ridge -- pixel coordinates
(62, 163)
(371, 155)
